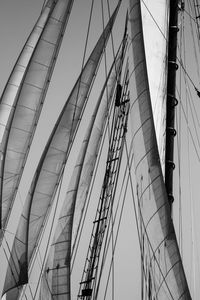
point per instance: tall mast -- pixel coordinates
(163, 268)
(171, 99)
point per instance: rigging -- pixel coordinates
(171, 100)
(118, 131)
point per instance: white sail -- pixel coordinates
(50, 168)
(56, 278)
(155, 17)
(162, 265)
(11, 89)
(24, 99)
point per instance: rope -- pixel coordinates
(82, 221)
(78, 236)
(105, 63)
(114, 243)
(195, 51)
(148, 240)
(8, 260)
(178, 126)
(179, 60)
(192, 138)
(113, 48)
(82, 66)
(108, 235)
(49, 238)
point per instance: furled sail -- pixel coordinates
(50, 168)
(162, 264)
(56, 278)
(24, 96)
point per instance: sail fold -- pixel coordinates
(162, 264)
(51, 165)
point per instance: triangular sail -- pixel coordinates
(50, 168)
(162, 264)
(56, 278)
(24, 96)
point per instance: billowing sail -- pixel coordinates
(9, 94)
(162, 264)
(56, 278)
(24, 96)
(50, 168)
(10, 91)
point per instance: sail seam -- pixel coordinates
(61, 242)
(59, 150)
(22, 66)
(157, 248)
(55, 19)
(18, 152)
(48, 42)
(12, 85)
(44, 194)
(147, 187)
(11, 176)
(28, 108)
(139, 128)
(164, 278)
(163, 205)
(33, 85)
(41, 64)
(138, 96)
(136, 4)
(144, 156)
(50, 172)
(20, 129)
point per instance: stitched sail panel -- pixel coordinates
(49, 170)
(25, 94)
(163, 272)
(57, 271)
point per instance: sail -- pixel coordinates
(106, 200)
(50, 168)
(155, 19)
(10, 91)
(162, 264)
(56, 278)
(24, 96)
(9, 95)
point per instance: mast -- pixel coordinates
(119, 127)
(171, 99)
(163, 269)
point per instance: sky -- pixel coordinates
(16, 21)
